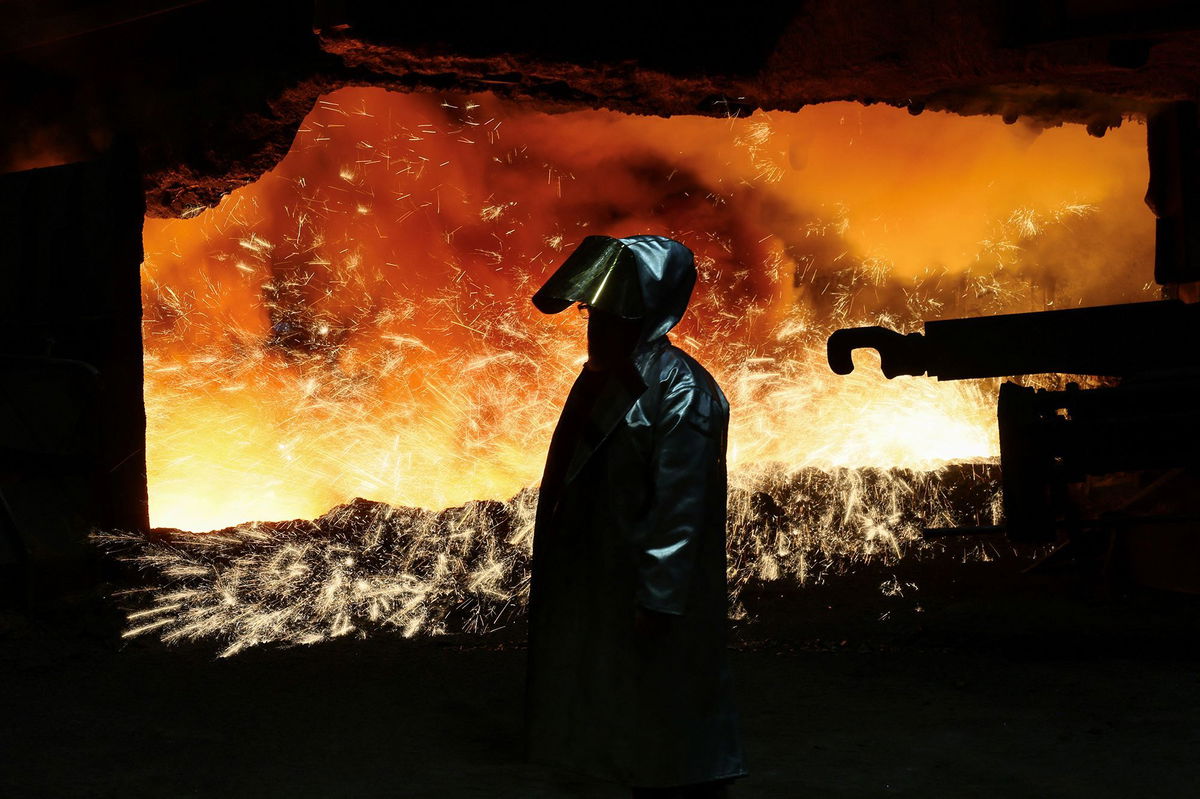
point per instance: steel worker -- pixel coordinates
(627, 677)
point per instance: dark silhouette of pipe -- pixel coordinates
(1109, 340)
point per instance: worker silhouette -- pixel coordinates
(627, 677)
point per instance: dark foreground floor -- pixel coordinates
(984, 693)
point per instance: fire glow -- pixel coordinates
(357, 322)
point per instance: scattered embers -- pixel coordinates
(367, 566)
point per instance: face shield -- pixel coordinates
(602, 272)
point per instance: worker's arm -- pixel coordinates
(684, 466)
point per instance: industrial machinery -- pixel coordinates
(1114, 458)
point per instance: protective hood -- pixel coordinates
(646, 277)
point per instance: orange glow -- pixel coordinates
(357, 321)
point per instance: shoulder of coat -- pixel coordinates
(678, 369)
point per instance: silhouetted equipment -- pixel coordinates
(1050, 439)
(1173, 142)
(1052, 442)
(72, 420)
(1111, 340)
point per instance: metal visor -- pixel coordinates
(601, 272)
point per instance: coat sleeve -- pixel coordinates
(684, 465)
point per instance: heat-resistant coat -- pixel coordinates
(632, 512)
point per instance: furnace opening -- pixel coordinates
(356, 323)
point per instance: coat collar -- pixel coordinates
(618, 395)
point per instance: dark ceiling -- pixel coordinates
(212, 90)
